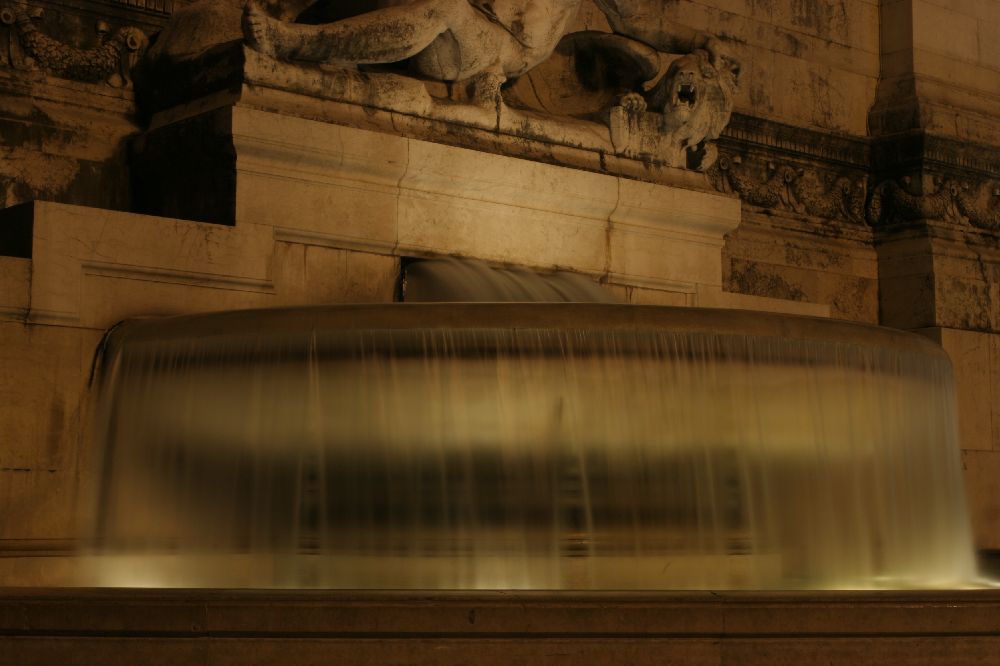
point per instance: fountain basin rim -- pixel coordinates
(519, 316)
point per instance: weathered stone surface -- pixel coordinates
(388, 194)
(15, 285)
(307, 274)
(63, 140)
(938, 75)
(826, 50)
(906, 284)
(397, 104)
(451, 40)
(812, 64)
(982, 469)
(938, 265)
(838, 199)
(971, 355)
(42, 423)
(476, 48)
(804, 234)
(693, 102)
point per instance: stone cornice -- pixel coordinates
(746, 131)
(165, 7)
(917, 150)
(943, 152)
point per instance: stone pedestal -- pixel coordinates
(278, 152)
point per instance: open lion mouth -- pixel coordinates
(687, 94)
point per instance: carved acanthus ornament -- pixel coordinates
(27, 47)
(781, 186)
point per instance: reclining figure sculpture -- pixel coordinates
(485, 43)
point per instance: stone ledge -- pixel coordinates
(665, 239)
(139, 611)
(218, 626)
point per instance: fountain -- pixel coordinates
(505, 483)
(526, 446)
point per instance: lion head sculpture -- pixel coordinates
(677, 120)
(695, 98)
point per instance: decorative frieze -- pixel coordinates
(916, 177)
(906, 199)
(979, 203)
(783, 185)
(769, 136)
(25, 45)
(973, 203)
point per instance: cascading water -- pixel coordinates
(530, 446)
(452, 280)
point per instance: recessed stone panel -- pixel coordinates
(982, 469)
(43, 427)
(945, 31)
(970, 354)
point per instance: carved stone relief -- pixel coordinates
(478, 42)
(780, 185)
(680, 116)
(26, 46)
(824, 192)
(479, 46)
(965, 202)
(979, 203)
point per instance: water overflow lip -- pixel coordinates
(514, 316)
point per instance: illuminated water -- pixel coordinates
(527, 446)
(453, 280)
